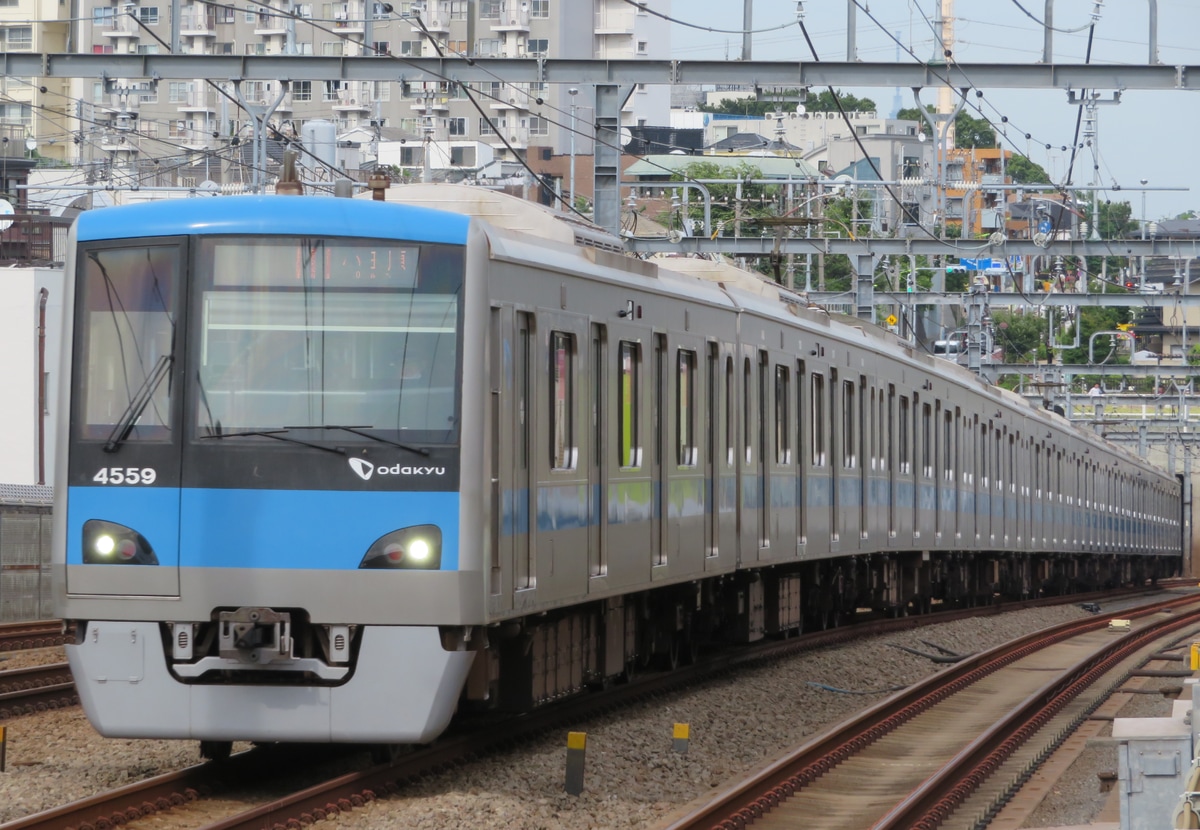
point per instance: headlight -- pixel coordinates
(414, 548)
(108, 543)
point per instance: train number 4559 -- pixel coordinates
(125, 475)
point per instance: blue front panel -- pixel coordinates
(294, 529)
(151, 511)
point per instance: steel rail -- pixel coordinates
(35, 634)
(931, 803)
(741, 803)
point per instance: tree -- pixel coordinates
(968, 131)
(821, 102)
(839, 218)
(824, 101)
(725, 206)
(913, 114)
(1115, 218)
(1024, 171)
(973, 132)
(1019, 334)
(746, 106)
(1090, 321)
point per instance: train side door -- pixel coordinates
(761, 432)
(712, 431)
(836, 445)
(501, 379)
(520, 493)
(803, 456)
(562, 501)
(749, 495)
(598, 459)
(728, 487)
(658, 426)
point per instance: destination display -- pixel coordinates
(332, 263)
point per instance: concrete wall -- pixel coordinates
(19, 415)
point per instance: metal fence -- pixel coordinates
(25, 553)
(33, 239)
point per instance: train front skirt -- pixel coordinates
(127, 692)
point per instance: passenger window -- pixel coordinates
(562, 399)
(927, 441)
(685, 408)
(630, 355)
(783, 448)
(849, 426)
(818, 420)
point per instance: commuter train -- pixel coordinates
(336, 468)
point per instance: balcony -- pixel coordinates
(515, 98)
(615, 21)
(119, 26)
(349, 23)
(196, 101)
(436, 105)
(271, 22)
(517, 139)
(436, 19)
(198, 23)
(513, 18)
(347, 102)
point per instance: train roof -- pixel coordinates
(502, 210)
(272, 215)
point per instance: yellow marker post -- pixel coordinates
(1195, 656)
(576, 747)
(680, 742)
(3, 746)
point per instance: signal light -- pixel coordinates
(1130, 284)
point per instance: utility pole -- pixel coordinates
(573, 91)
(747, 38)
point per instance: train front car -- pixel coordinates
(261, 531)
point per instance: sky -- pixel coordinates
(1148, 135)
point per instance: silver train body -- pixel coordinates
(654, 456)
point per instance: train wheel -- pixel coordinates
(691, 650)
(216, 750)
(669, 659)
(385, 753)
(631, 670)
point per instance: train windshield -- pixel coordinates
(127, 341)
(311, 333)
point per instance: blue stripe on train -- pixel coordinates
(304, 529)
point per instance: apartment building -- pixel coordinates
(125, 122)
(41, 109)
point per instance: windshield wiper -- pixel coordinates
(137, 404)
(358, 430)
(278, 435)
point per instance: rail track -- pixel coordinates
(37, 634)
(344, 792)
(958, 743)
(36, 689)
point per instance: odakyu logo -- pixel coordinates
(365, 469)
(362, 467)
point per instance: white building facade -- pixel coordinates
(122, 123)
